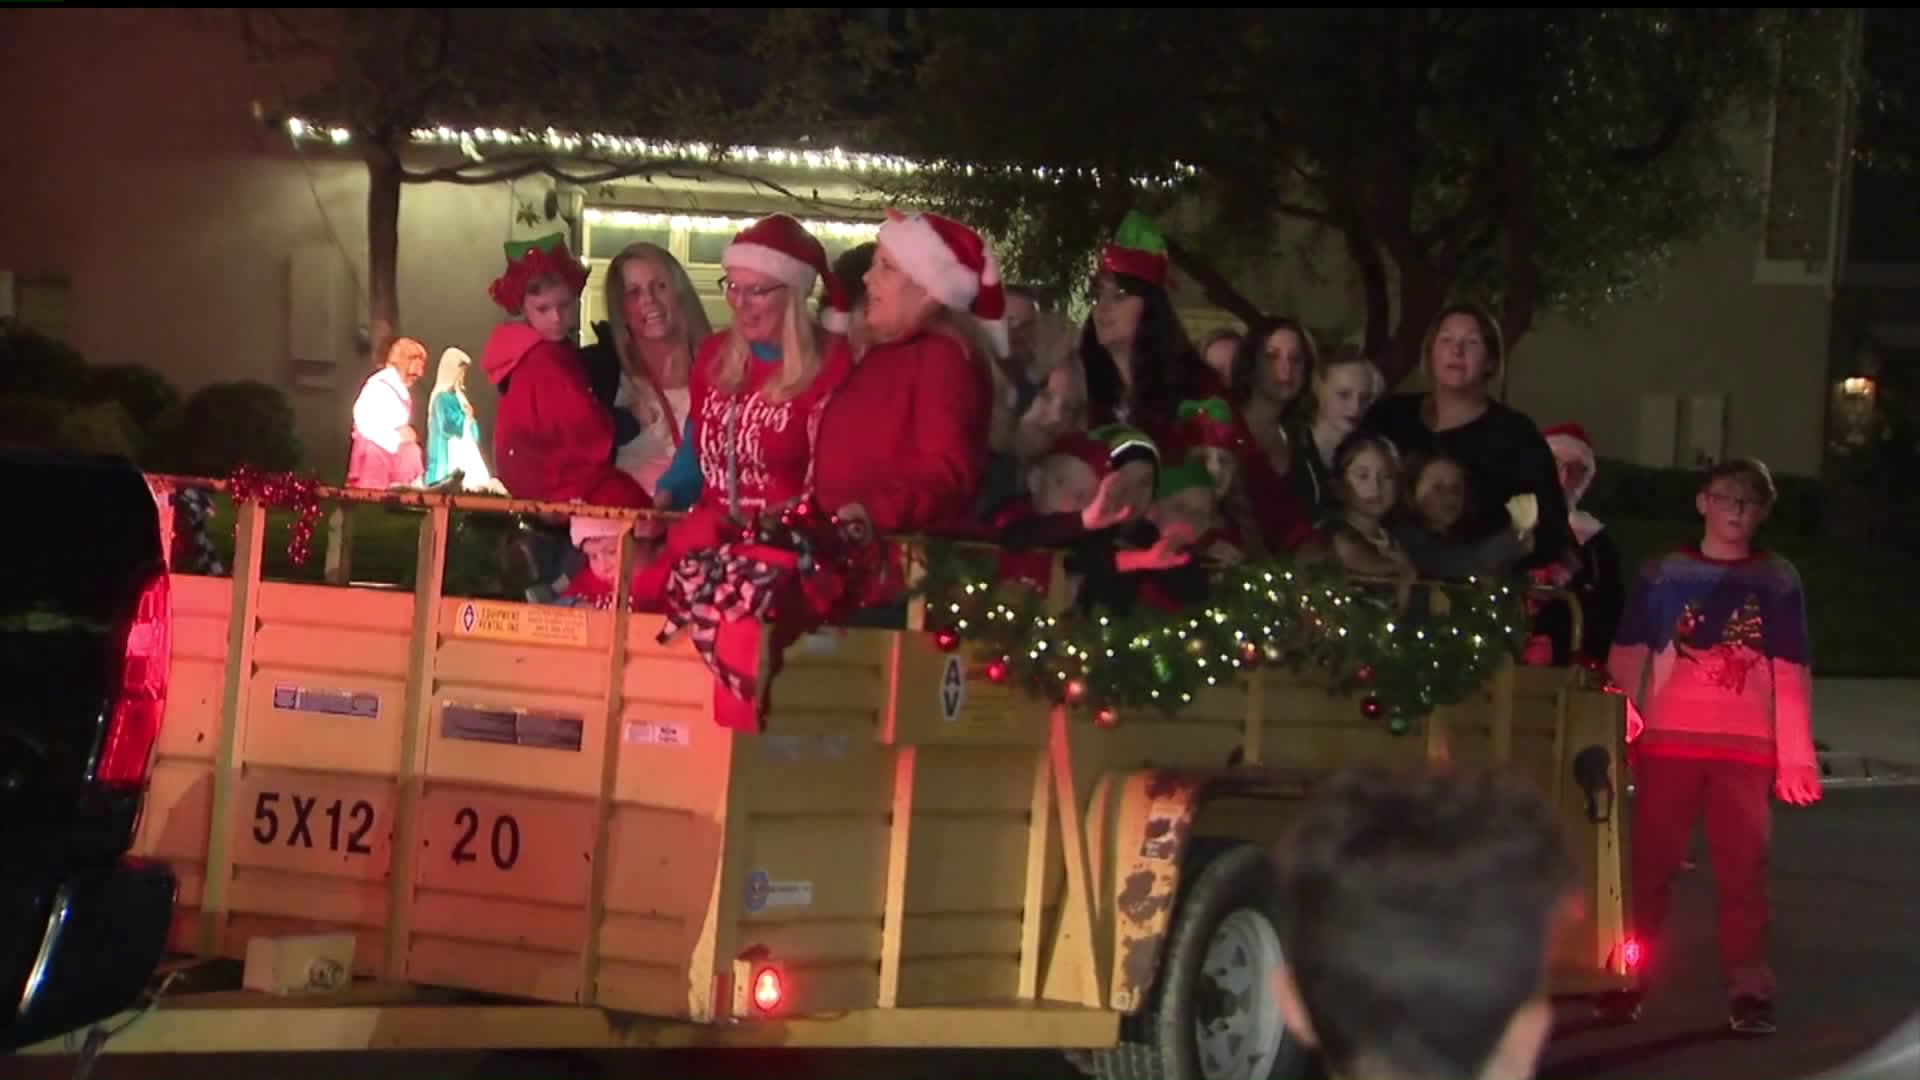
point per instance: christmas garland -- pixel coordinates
(1298, 617)
(281, 491)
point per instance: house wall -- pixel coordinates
(182, 226)
(208, 248)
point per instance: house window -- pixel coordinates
(696, 240)
(1808, 132)
(1883, 236)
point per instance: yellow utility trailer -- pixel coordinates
(516, 826)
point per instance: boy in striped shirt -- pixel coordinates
(1713, 651)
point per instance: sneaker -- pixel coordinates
(1751, 1016)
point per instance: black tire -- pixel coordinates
(1161, 1043)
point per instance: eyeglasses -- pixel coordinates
(1738, 504)
(733, 290)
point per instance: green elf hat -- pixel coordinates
(520, 249)
(528, 260)
(1138, 251)
(1126, 445)
(1206, 424)
(1183, 477)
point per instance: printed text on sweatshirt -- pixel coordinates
(1715, 653)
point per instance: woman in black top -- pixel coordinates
(1500, 446)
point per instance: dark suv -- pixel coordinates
(85, 633)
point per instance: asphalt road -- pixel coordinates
(1847, 951)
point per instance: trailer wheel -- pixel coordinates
(1212, 1013)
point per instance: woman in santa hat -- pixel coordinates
(1590, 568)
(757, 386)
(756, 392)
(903, 442)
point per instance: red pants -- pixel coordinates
(1670, 796)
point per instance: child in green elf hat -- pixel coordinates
(1187, 497)
(1091, 494)
(1215, 440)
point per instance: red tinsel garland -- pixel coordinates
(281, 491)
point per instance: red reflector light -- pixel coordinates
(767, 991)
(127, 752)
(1631, 954)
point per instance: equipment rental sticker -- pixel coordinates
(521, 622)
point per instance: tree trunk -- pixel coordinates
(1423, 293)
(1372, 268)
(383, 247)
(1219, 291)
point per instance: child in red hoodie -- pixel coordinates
(552, 439)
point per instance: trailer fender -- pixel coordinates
(1152, 839)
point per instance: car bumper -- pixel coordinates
(97, 938)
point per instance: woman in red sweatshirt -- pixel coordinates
(756, 394)
(903, 442)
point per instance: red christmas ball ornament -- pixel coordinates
(946, 640)
(1076, 691)
(1371, 708)
(997, 671)
(1363, 673)
(1106, 718)
(1250, 654)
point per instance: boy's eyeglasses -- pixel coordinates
(733, 290)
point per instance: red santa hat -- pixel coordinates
(1569, 441)
(953, 264)
(781, 248)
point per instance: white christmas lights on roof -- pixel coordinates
(474, 142)
(639, 219)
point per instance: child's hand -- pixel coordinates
(1224, 554)
(1797, 785)
(1167, 553)
(1107, 508)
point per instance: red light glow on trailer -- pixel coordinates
(767, 991)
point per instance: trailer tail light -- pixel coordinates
(141, 698)
(767, 990)
(757, 986)
(1627, 956)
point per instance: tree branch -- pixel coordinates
(479, 173)
(1219, 291)
(1678, 123)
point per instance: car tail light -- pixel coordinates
(141, 698)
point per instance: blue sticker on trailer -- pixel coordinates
(326, 702)
(759, 887)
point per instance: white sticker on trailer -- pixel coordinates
(657, 734)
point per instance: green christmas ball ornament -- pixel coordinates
(1399, 723)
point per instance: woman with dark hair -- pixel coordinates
(1271, 370)
(1139, 362)
(1500, 446)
